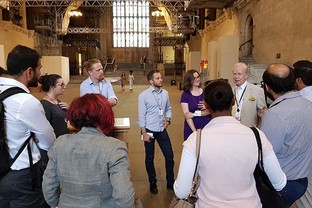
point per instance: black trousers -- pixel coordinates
(165, 145)
(22, 189)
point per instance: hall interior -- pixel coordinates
(215, 35)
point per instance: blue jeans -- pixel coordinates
(22, 189)
(294, 190)
(165, 145)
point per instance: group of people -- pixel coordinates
(96, 172)
(228, 146)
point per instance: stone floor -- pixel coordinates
(127, 107)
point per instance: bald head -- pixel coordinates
(279, 70)
(280, 78)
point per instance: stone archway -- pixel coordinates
(247, 36)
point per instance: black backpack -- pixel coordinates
(5, 160)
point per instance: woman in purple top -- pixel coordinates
(192, 102)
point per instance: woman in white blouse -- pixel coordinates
(228, 156)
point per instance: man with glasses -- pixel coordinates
(249, 98)
(96, 82)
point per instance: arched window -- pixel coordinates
(131, 23)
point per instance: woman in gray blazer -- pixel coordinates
(88, 168)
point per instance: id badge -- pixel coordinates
(197, 113)
(160, 112)
(237, 116)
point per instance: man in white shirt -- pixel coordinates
(249, 98)
(303, 75)
(24, 114)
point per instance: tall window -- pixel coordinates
(131, 23)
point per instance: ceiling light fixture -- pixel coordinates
(75, 13)
(157, 13)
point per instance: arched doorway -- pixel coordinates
(247, 39)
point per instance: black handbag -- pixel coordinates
(269, 197)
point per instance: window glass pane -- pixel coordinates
(114, 24)
(118, 9)
(135, 43)
(128, 10)
(127, 24)
(114, 9)
(135, 10)
(115, 39)
(122, 11)
(127, 40)
(131, 40)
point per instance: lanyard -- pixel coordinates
(240, 99)
(159, 106)
(282, 101)
(277, 103)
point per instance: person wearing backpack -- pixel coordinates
(23, 116)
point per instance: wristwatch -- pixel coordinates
(168, 120)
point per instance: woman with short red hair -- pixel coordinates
(88, 168)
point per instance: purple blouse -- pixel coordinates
(192, 102)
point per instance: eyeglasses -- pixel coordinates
(61, 85)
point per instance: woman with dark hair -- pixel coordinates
(88, 168)
(192, 102)
(3, 72)
(55, 110)
(228, 157)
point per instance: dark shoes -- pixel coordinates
(153, 188)
(170, 186)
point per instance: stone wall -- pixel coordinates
(281, 29)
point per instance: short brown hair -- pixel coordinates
(87, 65)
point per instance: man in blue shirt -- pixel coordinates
(96, 82)
(303, 75)
(154, 118)
(287, 124)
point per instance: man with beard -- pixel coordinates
(24, 115)
(287, 124)
(303, 75)
(96, 82)
(154, 118)
(249, 98)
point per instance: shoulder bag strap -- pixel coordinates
(11, 91)
(260, 156)
(22, 148)
(8, 92)
(195, 182)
